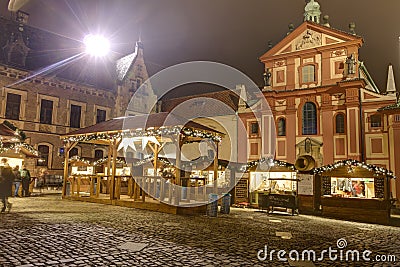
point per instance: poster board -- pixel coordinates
(305, 185)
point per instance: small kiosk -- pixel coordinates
(354, 190)
(273, 183)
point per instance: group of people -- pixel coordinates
(9, 177)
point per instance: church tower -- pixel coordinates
(312, 11)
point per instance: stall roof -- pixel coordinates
(139, 122)
(364, 169)
(7, 135)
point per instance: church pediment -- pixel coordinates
(307, 36)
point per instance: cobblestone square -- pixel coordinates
(48, 231)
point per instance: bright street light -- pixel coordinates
(96, 45)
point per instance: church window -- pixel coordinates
(309, 118)
(254, 128)
(375, 121)
(339, 123)
(308, 73)
(281, 127)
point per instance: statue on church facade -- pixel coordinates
(350, 69)
(267, 77)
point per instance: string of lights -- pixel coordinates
(143, 133)
(355, 163)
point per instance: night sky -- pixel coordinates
(234, 32)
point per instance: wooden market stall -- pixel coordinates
(273, 184)
(149, 134)
(15, 150)
(354, 190)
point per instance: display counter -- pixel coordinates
(355, 191)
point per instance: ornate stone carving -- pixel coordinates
(309, 39)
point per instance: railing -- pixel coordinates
(191, 191)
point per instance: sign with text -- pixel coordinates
(305, 185)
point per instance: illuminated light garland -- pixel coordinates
(17, 146)
(349, 162)
(103, 160)
(150, 158)
(271, 162)
(78, 159)
(140, 133)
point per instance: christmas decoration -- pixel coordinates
(354, 163)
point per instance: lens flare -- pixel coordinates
(96, 45)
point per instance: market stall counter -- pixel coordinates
(356, 191)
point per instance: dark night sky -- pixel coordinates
(234, 32)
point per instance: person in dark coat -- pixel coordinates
(26, 180)
(17, 180)
(6, 181)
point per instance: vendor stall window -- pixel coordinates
(13, 106)
(352, 187)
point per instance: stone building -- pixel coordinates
(50, 87)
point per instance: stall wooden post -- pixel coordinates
(78, 186)
(98, 186)
(215, 168)
(67, 148)
(178, 171)
(113, 171)
(130, 189)
(108, 173)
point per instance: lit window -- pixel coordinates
(339, 123)
(44, 155)
(309, 118)
(308, 74)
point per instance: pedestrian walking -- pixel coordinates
(26, 180)
(6, 181)
(17, 181)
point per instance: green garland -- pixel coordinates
(350, 162)
(143, 133)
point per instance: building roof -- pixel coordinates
(229, 98)
(139, 122)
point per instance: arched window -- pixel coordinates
(281, 127)
(73, 152)
(309, 118)
(44, 155)
(308, 74)
(339, 123)
(98, 154)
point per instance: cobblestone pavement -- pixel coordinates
(48, 231)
